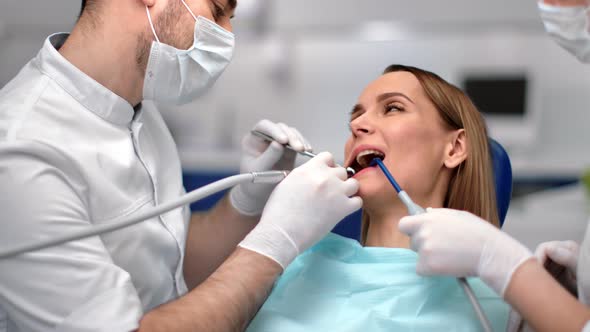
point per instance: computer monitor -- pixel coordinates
(509, 103)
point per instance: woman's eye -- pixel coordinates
(393, 108)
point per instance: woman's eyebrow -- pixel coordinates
(386, 95)
(356, 108)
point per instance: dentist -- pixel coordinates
(82, 144)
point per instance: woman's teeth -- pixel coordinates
(364, 158)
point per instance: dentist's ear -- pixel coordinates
(456, 149)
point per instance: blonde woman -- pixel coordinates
(552, 292)
(434, 141)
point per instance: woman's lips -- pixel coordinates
(365, 170)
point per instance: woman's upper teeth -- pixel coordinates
(360, 157)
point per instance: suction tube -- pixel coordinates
(414, 209)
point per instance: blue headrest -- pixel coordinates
(502, 178)
(350, 226)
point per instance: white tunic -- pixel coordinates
(74, 154)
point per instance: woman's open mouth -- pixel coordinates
(364, 157)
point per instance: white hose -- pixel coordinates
(198, 194)
(415, 209)
(193, 196)
(485, 323)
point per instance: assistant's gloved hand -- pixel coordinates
(563, 253)
(302, 209)
(260, 155)
(460, 244)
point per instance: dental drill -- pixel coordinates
(349, 170)
(193, 196)
(414, 209)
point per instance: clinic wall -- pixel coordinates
(315, 57)
(305, 13)
(24, 24)
(321, 80)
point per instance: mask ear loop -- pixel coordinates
(152, 24)
(189, 9)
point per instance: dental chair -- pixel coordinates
(351, 225)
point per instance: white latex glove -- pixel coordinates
(259, 155)
(302, 209)
(564, 253)
(460, 244)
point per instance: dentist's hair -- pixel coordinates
(471, 187)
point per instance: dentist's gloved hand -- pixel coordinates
(460, 244)
(564, 253)
(302, 209)
(259, 155)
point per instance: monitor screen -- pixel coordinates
(497, 95)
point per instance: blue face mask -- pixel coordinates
(338, 285)
(176, 76)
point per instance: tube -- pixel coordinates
(414, 209)
(193, 196)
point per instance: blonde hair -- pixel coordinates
(471, 187)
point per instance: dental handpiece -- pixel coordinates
(349, 170)
(414, 209)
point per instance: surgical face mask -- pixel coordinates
(176, 76)
(569, 27)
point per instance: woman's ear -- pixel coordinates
(456, 151)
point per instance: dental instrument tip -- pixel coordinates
(375, 161)
(350, 171)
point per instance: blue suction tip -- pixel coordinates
(379, 162)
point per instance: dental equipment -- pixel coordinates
(193, 196)
(349, 170)
(414, 209)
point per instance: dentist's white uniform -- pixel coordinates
(73, 154)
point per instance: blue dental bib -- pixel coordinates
(339, 285)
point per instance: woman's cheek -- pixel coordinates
(347, 146)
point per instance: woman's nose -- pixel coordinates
(361, 126)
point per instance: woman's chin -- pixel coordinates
(371, 191)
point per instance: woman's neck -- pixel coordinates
(384, 219)
(383, 230)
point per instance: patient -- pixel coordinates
(434, 142)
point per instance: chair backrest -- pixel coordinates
(502, 178)
(350, 226)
